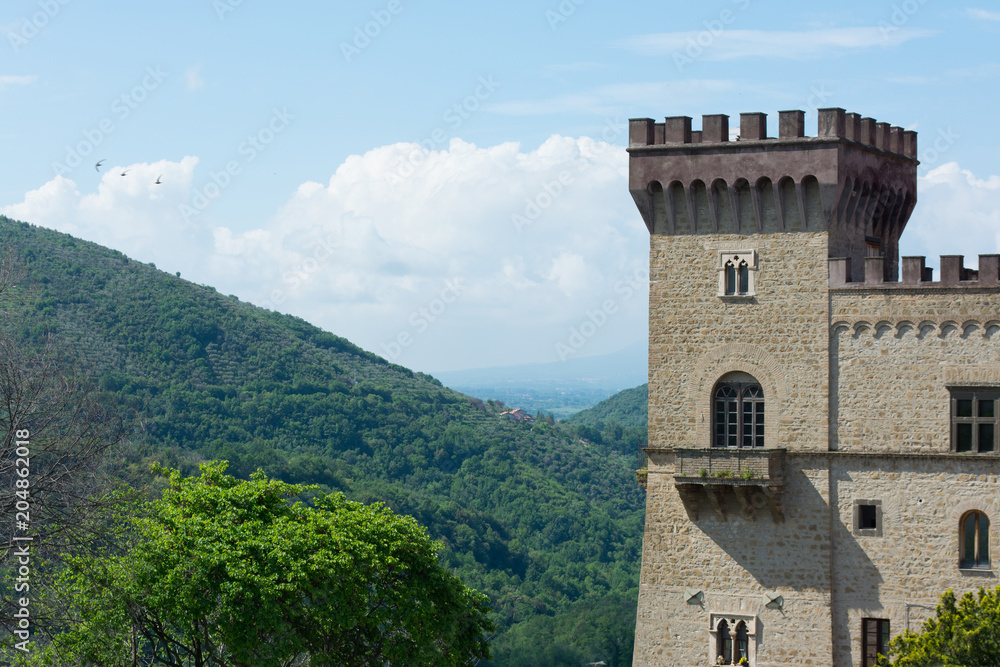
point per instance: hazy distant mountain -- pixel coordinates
(562, 388)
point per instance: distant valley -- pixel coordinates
(561, 388)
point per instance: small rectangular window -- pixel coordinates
(867, 517)
(974, 426)
(874, 640)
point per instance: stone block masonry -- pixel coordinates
(775, 276)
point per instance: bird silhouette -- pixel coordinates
(158, 181)
(124, 172)
(97, 167)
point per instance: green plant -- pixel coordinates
(724, 474)
(746, 474)
(703, 473)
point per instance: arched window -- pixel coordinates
(725, 643)
(733, 639)
(739, 412)
(974, 542)
(742, 643)
(737, 277)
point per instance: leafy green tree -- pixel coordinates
(964, 633)
(224, 572)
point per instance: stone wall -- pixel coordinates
(779, 336)
(916, 557)
(894, 352)
(735, 564)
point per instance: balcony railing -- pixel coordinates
(721, 465)
(750, 479)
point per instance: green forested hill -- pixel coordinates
(547, 523)
(618, 423)
(629, 408)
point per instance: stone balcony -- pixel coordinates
(755, 478)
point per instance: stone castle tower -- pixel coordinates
(823, 436)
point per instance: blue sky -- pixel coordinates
(445, 184)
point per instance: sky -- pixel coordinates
(445, 184)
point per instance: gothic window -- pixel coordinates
(874, 640)
(737, 272)
(725, 643)
(737, 277)
(739, 414)
(974, 426)
(742, 645)
(974, 542)
(733, 639)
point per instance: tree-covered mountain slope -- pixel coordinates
(630, 408)
(547, 523)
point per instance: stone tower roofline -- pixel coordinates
(833, 125)
(856, 180)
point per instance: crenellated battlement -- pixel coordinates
(856, 180)
(916, 274)
(832, 125)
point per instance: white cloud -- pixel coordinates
(130, 212)
(983, 15)
(192, 78)
(467, 253)
(956, 214)
(571, 273)
(735, 44)
(15, 80)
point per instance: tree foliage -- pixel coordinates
(222, 572)
(964, 632)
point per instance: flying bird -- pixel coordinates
(124, 172)
(97, 167)
(158, 181)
